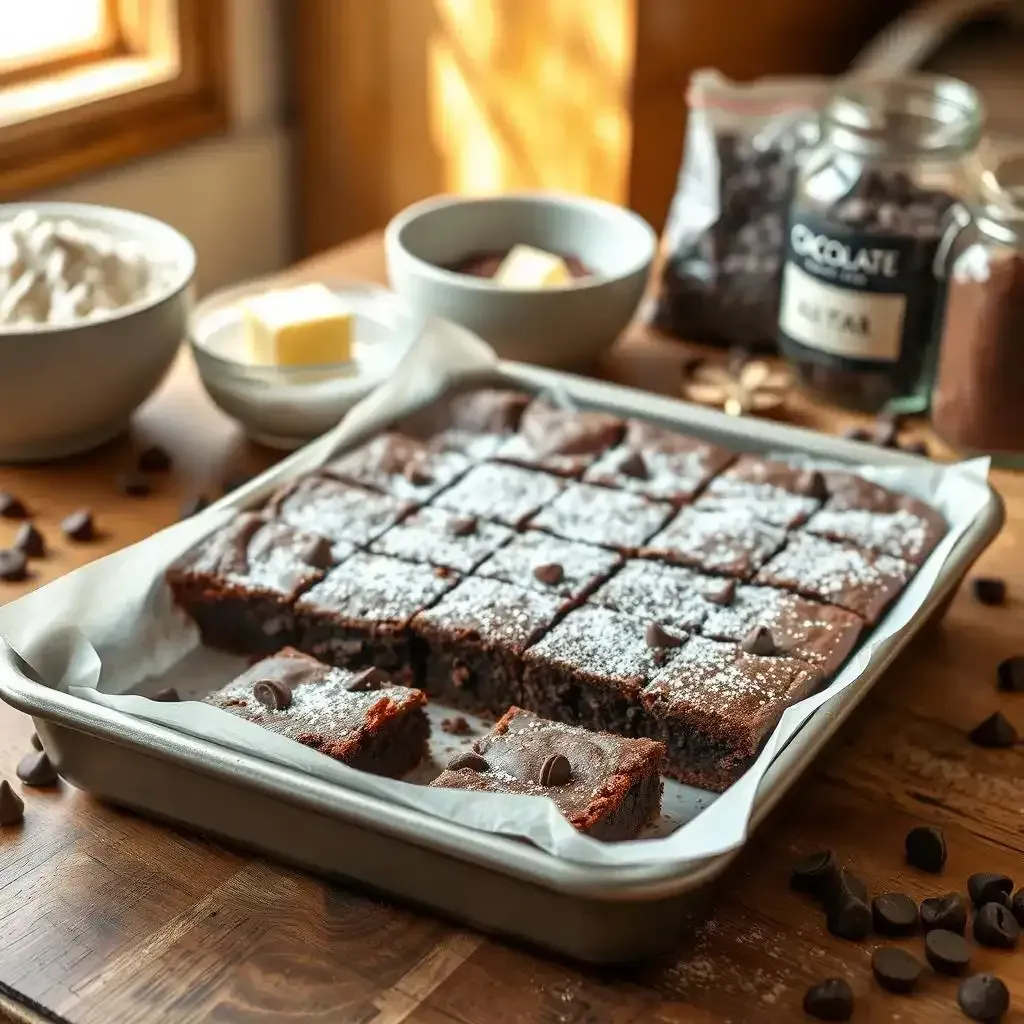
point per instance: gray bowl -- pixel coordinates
(67, 388)
(564, 326)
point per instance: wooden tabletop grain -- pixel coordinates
(106, 918)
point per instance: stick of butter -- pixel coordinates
(303, 326)
(526, 267)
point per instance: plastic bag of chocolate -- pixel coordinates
(723, 245)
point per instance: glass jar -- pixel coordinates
(978, 403)
(859, 293)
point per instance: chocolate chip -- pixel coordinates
(848, 918)
(36, 769)
(926, 848)
(153, 459)
(857, 434)
(845, 884)
(37, 743)
(895, 969)
(468, 759)
(723, 595)
(12, 507)
(273, 694)
(996, 927)
(759, 641)
(812, 484)
(13, 565)
(79, 525)
(831, 999)
(983, 997)
(893, 913)
(988, 887)
(12, 807)
(947, 952)
(885, 432)
(132, 484)
(656, 636)
(633, 465)
(30, 541)
(994, 732)
(416, 474)
(814, 874)
(168, 695)
(556, 771)
(195, 504)
(463, 526)
(1017, 906)
(371, 678)
(1010, 674)
(947, 912)
(550, 573)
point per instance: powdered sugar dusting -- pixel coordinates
(771, 504)
(902, 533)
(668, 594)
(508, 494)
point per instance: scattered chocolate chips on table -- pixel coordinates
(989, 590)
(831, 1000)
(133, 484)
(1010, 674)
(895, 969)
(848, 918)
(36, 769)
(983, 997)
(995, 732)
(1017, 906)
(12, 807)
(79, 525)
(29, 541)
(13, 565)
(988, 887)
(814, 874)
(996, 927)
(893, 914)
(468, 759)
(168, 695)
(153, 459)
(12, 507)
(946, 951)
(846, 884)
(926, 848)
(948, 912)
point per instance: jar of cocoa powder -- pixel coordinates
(978, 403)
(859, 292)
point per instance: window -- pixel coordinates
(85, 84)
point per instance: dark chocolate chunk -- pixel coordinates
(193, 505)
(983, 997)
(988, 887)
(857, 434)
(556, 771)
(168, 695)
(848, 918)
(926, 848)
(893, 913)
(947, 952)
(469, 759)
(416, 474)
(36, 769)
(1011, 674)
(463, 526)
(814, 874)
(133, 484)
(759, 641)
(1017, 906)
(153, 459)
(723, 595)
(995, 926)
(895, 969)
(12, 507)
(813, 485)
(37, 743)
(656, 636)
(79, 525)
(371, 678)
(12, 807)
(947, 912)
(13, 565)
(550, 573)
(633, 465)
(994, 732)
(844, 883)
(273, 694)
(30, 541)
(831, 999)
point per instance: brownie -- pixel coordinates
(443, 538)
(776, 492)
(658, 463)
(240, 584)
(904, 533)
(597, 515)
(472, 423)
(551, 564)
(713, 704)
(769, 504)
(562, 441)
(507, 494)
(756, 471)
(474, 639)
(848, 490)
(359, 718)
(733, 542)
(819, 634)
(359, 614)
(838, 574)
(612, 785)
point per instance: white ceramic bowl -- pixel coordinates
(563, 326)
(68, 388)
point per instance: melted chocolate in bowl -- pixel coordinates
(485, 264)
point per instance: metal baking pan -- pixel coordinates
(594, 914)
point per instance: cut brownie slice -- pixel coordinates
(474, 638)
(659, 463)
(239, 585)
(607, 786)
(905, 533)
(472, 423)
(551, 564)
(776, 492)
(357, 718)
(769, 504)
(359, 613)
(713, 704)
(838, 574)
(819, 634)
(756, 471)
(507, 494)
(848, 490)
(597, 515)
(734, 542)
(443, 538)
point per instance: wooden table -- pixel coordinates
(107, 918)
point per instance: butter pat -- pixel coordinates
(303, 326)
(526, 267)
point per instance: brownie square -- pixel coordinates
(713, 705)
(359, 719)
(443, 538)
(848, 490)
(753, 471)
(658, 463)
(907, 533)
(734, 542)
(614, 784)
(819, 634)
(778, 493)
(670, 595)
(551, 564)
(598, 515)
(359, 613)
(561, 441)
(474, 638)
(239, 584)
(838, 574)
(507, 494)
(472, 423)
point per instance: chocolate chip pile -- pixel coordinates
(996, 920)
(34, 769)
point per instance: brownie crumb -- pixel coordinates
(456, 726)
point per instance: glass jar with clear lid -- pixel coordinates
(978, 403)
(859, 293)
